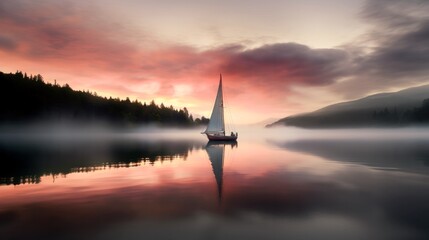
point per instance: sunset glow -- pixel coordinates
(277, 57)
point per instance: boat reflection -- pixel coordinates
(216, 152)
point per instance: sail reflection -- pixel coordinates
(216, 152)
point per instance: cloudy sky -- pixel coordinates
(277, 57)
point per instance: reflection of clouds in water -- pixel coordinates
(357, 198)
(353, 202)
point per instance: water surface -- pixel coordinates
(273, 184)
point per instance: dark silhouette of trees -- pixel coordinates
(416, 116)
(201, 121)
(26, 98)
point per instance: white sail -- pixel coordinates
(217, 124)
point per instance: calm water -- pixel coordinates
(273, 184)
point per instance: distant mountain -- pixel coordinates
(405, 107)
(262, 123)
(26, 99)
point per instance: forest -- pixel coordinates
(25, 99)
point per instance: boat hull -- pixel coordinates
(222, 138)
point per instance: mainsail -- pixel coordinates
(217, 124)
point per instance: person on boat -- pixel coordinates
(232, 134)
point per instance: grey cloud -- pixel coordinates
(7, 43)
(400, 58)
(394, 14)
(290, 63)
(404, 45)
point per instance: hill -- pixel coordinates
(25, 99)
(406, 107)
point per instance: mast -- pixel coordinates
(217, 121)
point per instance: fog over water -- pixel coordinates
(277, 183)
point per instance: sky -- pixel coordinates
(277, 58)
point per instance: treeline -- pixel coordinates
(418, 115)
(26, 99)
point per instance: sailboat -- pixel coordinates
(216, 128)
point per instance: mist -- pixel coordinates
(75, 132)
(291, 133)
(100, 131)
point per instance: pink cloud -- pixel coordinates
(61, 38)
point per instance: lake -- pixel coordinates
(160, 184)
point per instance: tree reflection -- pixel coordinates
(28, 162)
